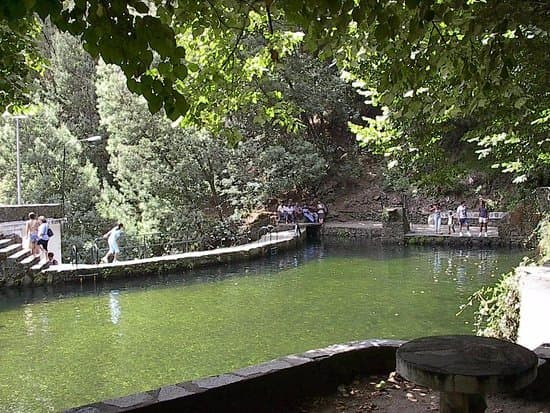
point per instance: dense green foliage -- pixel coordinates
(497, 313)
(237, 103)
(171, 177)
(450, 72)
(458, 73)
(20, 60)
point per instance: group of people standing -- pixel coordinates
(291, 213)
(461, 219)
(37, 234)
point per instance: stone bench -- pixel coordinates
(466, 368)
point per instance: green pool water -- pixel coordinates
(65, 347)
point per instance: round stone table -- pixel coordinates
(466, 368)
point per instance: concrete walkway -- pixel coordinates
(429, 230)
(269, 240)
(534, 287)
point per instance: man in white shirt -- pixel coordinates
(462, 214)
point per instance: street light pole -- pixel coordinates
(7, 115)
(63, 182)
(94, 138)
(17, 160)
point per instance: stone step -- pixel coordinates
(30, 261)
(41, 265)
(9, 250)
(19, 255)
(4, 242)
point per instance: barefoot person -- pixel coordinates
(31, 233)
(112, 239)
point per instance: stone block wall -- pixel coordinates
(352, 232)
(10, 213)
(395, 225)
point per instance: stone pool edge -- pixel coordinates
(281, 381)
(271, 383)
(169, 263)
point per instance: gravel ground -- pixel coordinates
(393, 394)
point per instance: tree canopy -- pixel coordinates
(472, 70)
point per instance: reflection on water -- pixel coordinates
(29, 320)
(66, 345)
(114, 306)
(458, 264)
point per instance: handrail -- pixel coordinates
(154, 245)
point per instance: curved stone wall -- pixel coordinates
(268, 384)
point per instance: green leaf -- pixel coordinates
(164, 68)
(192, 67)
(180, 52)
(181, 104)
(381, 33)
(141, 7)
(180, 71)
(133, 86)
(170, 109)
(154, 103)
(412, 4)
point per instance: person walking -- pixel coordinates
(483, 218)
(462, 214)
(31, 233)
(43, 235)
(321, 212)
(112, 237)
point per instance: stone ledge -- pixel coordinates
(167, 263)
(271, 383)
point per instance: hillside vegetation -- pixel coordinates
(209, 111)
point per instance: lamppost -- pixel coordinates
(17, 118)
(94, 138)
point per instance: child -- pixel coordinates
(51, 259)
(450, 222)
